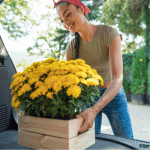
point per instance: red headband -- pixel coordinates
(75, 2)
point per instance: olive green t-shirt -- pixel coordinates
(96, 52)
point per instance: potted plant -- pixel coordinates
(138, 76)
(51, 93)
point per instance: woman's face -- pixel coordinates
(71, 17)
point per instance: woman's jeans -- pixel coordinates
(118, 115)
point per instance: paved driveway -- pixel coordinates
(140, 118)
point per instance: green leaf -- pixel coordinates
(42, 105)
(37, 101)
(38, 113)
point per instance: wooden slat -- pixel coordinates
(83, 141)
(39, 141)
(75, 125)
(54, 127)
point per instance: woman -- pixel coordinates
(100, 47)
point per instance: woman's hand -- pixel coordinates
(89, 115)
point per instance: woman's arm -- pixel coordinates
(116, 69)
(68, 57)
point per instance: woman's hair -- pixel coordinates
(76, 34)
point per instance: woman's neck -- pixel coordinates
(87, 32)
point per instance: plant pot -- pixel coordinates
(138, 99)
(46, 133)
(147, 97)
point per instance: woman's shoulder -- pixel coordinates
(71, 42)
(107, 27)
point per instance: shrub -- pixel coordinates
(149, 76)
(138, 73)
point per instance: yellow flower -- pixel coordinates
(64, 70)
(49, 95)
(140, 59)
(17, 103)
(81, 74)
(83, 81)
(92, 82)
(80, 61)
(14, 99)
(98, 77)
(38, 84)
(57, 72)
(94, 71)
(18, 74)
(73, 69)
(35, 94)
(33, 79)
(74, 90)
(81, 68)
(16, 108)
(57, 86)
(90, 73)
(24, 89)
(69, 80)
(20, 113)
(17, 81)
(43, 89)
(49, 60)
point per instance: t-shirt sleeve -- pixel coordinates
(110, 34)
(70, 49)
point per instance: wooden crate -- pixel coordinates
(47, 133)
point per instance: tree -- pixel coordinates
(15, 17)
(130, 15)
(55, 39)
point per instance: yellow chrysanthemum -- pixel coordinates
(17, 81)
(49, 60)
(69, 80)
(57, 72)
(35, 94)
(16, 108)
(80, 61)
(94, 71)
(90, 73)
(74, 90)
(64, 70)
(20, 113)
(73, 69)
(17, 103)
(92, 82)
(83, 81)
(18, 74)
(38, 84)
(96, 77)
(81, 74)
(33, 79)
(43, 89)
(49, 95)
(81, 68)
(24, 89)
(14, 99)
(57, 86)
